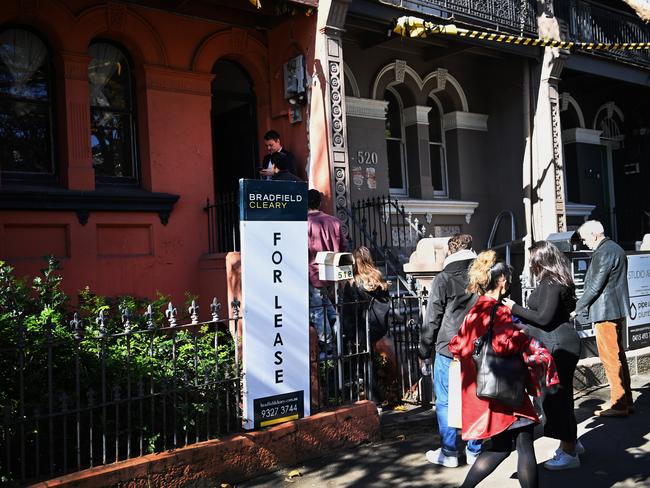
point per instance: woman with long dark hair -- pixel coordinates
(366, 296)
(549, 308)
(508, 427)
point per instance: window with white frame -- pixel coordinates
(395, 145)
(437, 153)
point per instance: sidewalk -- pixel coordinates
(618, 454)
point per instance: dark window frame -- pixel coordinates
(121, 181)
(51, 178)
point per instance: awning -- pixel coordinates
(415, 27)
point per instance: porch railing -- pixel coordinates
(512, 16)
(590, 22)
(391, 233)
(223, 223)
(100, 391)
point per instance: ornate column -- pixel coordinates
(328, 98)
(546, 178)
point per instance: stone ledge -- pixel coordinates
(590, 371)
(237, 457)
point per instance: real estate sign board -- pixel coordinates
(275, 339)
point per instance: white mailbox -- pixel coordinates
(334, 266)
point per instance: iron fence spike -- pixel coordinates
(215, 308)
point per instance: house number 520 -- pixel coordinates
(367, 157)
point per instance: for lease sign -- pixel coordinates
(275, 293)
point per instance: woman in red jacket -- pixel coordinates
(508, 428)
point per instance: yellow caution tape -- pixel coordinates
(415, 27)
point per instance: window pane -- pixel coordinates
(24, 137)
(111, 144)
(25, 143)
(437, 173)
(395, 177)
(111, 113)
(23, 65)
(393, 117)
(109, 77)
(435, 123)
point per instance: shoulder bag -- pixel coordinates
(498, 378)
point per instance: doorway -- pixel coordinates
(234, 127)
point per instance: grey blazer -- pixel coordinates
(605, 295)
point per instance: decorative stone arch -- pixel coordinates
(395, 75)
(566, 101)
(352, 81)
(54, 27)
(239, 46)
(605, 120)
(436, 82)
(119, 23)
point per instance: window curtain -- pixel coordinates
(107, 59)
(23, 54)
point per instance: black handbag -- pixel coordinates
(498, 378)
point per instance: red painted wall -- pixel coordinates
(133, 253)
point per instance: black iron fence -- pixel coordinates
(590, 22)
(223, 223)
(354, 365)
(388, 230)
(105, 388)
(101, 391)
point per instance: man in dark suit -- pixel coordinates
(605, 299)
(273, 145)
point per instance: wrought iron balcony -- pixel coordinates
(509, 16)
(590, 22)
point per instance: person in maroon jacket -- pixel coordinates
(325, 234)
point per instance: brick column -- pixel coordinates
(76, 155)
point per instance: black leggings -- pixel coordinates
(503, 444)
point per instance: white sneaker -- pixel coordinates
(580, 449)
(470, 457)
(437, 457)
(562, 460)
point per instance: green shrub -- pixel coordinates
(115, 364)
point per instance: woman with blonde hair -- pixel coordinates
(508, 427)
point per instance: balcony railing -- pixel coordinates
(590, 22)
(511, 16)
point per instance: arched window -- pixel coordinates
(437, 153)
(26, 143)
(395, 147)
(112, 115)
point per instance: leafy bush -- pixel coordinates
(115, 374)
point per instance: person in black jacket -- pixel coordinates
(447, 305)
(280, 168)
(606, 300)
(366, 299)
(547, 319)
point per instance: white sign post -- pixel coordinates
(275, 294)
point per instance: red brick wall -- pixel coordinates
(239, 457)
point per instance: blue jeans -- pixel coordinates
(441, 390)
(319, 306)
